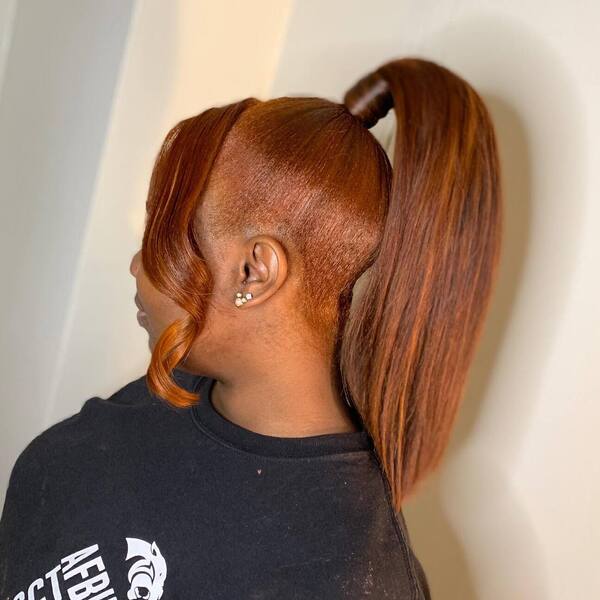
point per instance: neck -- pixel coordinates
(293, 400)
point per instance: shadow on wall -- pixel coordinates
(468, 522)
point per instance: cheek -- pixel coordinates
(160, 310)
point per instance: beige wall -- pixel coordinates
(513, 513)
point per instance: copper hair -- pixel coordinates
(308, 171)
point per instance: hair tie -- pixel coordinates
(370, 99)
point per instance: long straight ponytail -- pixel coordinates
(408, 343)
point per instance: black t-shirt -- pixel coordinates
(132, 498)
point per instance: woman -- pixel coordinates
(267, 451)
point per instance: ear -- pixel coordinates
(262, 268)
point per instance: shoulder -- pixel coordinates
(100, 423)
(87, 420)
(72, 463)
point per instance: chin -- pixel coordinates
(151, 344)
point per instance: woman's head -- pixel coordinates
(292, 199)
(290, 209)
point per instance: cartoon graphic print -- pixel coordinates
(147, 575)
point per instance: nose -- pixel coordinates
(134, 265)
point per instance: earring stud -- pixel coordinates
(242, 298)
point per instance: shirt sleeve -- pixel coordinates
(23, 513)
